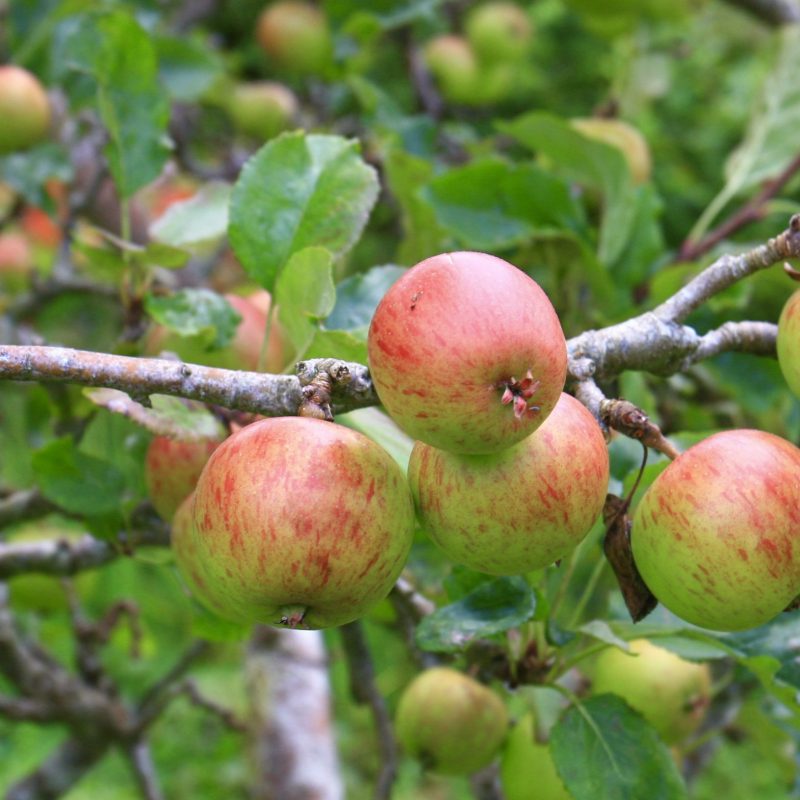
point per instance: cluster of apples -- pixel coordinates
(455, 725)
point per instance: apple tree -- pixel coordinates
(399, 399)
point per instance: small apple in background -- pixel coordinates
(716, 536)
(520, 509)
(526, 767)
(622, 135)
(300, 522)
(454, 67)
(16, 261)
(242, 352)
(672, 694)
(499, 32)
(24, 109)
(262, 109)
(296, 37)
(467, 353)
(788, 343)
(450, 722)
(171, 470)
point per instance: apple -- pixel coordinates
(24, 109)
(519, 509)
(467, 353)
(454, 67)
(242, 352)
(527, 763)
(716, 537)
(300, 522)
(16, 261)
(788, 343)
(499, 32)
(450, 722)
(262, 109)
(295, 36)
(171, 470)
(672, 694)
(622, 135)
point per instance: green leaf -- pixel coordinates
(591, 163)
(491, 204)
(601, 630)
(116, 59)
(780, 640)
(491, 608)
(190, 312)
(604, 743)
(299, 191)
(347, 345)
(28, 171)
(770, 143)
(163, 255)
(381, 428)
(304, 295)
(358, 296)
(187, 66)
(76, 482)
(196, 221)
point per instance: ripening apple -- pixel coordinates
(16, 261)
(242, 352)
(450, 722)
(296, 36)
(300, 522)
(24, 109)
(716, 537)
(788, 343)
(262, 109)
(526, 767)
(499, 31)
(171, 470)
(454, 67)
(520, 509)
(622, 135)
(672, 694)
(467, 353)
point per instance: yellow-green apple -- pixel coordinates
(296, 36)
(716, 537)
(24, 109)
(789, 342)
(242, 352)
(454, 66)
(300, 522)
(499, 31)
(171, 470)
(622, 135)
(467, 353)
(262, 109)
(526, 766)
(672, 694)
(522, 508)
(450, 722)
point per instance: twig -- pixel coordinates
(364, 690)
(140, 758)
(23, 505)
(774, 12)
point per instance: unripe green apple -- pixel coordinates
(672, 694)
(296, 37)
(300, 522)
(789, 342)
(454, 66)
(520, 509)
(499, 31)
(24, 109)
(171, 470)
(716, 537)
(527, 770)
(467, 353)
(242, 352)
(450, 722)
(622, 135)
(263, 109)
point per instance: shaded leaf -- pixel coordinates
(190, 312)
(198, 220)
(358, 296)
(187, 66)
